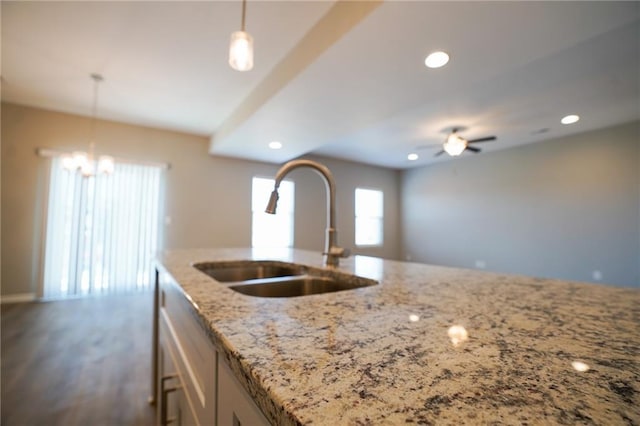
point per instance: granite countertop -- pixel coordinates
(428, 345)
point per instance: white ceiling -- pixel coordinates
(344, 80)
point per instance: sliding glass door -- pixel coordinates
(102, 231)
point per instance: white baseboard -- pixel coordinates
(17, 298)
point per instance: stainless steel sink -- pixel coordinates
(295, 286)
(280, 279)
(248, 270)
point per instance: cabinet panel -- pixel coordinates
(171, 406)
(201, 389)
(195, 345)
(193, 354)
(235, 406)
(185, 414)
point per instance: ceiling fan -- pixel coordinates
(454, 145)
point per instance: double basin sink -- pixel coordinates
(280, 279)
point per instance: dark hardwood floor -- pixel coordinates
(77, 362)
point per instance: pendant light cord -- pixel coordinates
(244, 10)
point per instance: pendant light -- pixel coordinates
(82, 161)
(241, 47)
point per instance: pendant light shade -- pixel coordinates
(241, 47)
(241, 51)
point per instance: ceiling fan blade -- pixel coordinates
(434, 145)
(473, 149)
(439, 153)
(487, 139)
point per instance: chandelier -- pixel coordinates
(86, 162)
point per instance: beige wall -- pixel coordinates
(207, 198)
(562, 208)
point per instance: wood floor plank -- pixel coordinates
(77, 362)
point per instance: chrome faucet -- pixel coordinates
(332, 253)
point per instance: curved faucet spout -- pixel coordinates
(332, 252)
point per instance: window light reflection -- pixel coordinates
(580, 366)
(369, 267)
(457, 334)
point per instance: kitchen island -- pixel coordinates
(427, 345)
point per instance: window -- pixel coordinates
(102, 231)
(369, 217)
(271, 230)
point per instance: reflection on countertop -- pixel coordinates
(427, 345)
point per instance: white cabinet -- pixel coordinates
(173, 406)
(187, 362)
(235, 406)
(192, 384)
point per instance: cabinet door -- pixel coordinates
(173, 406)
(235, 406)
(185, 414)
(167, 407)
(194, 354)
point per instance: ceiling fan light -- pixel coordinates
(454, 145)
(241, 51)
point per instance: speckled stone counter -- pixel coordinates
(535, 351)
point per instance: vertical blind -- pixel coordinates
(102, 231)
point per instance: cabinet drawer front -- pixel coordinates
(195, 355)
(235, 406)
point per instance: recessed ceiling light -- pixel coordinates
(412, 157)
(570, 119)
(436, 59)
(275, 145)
